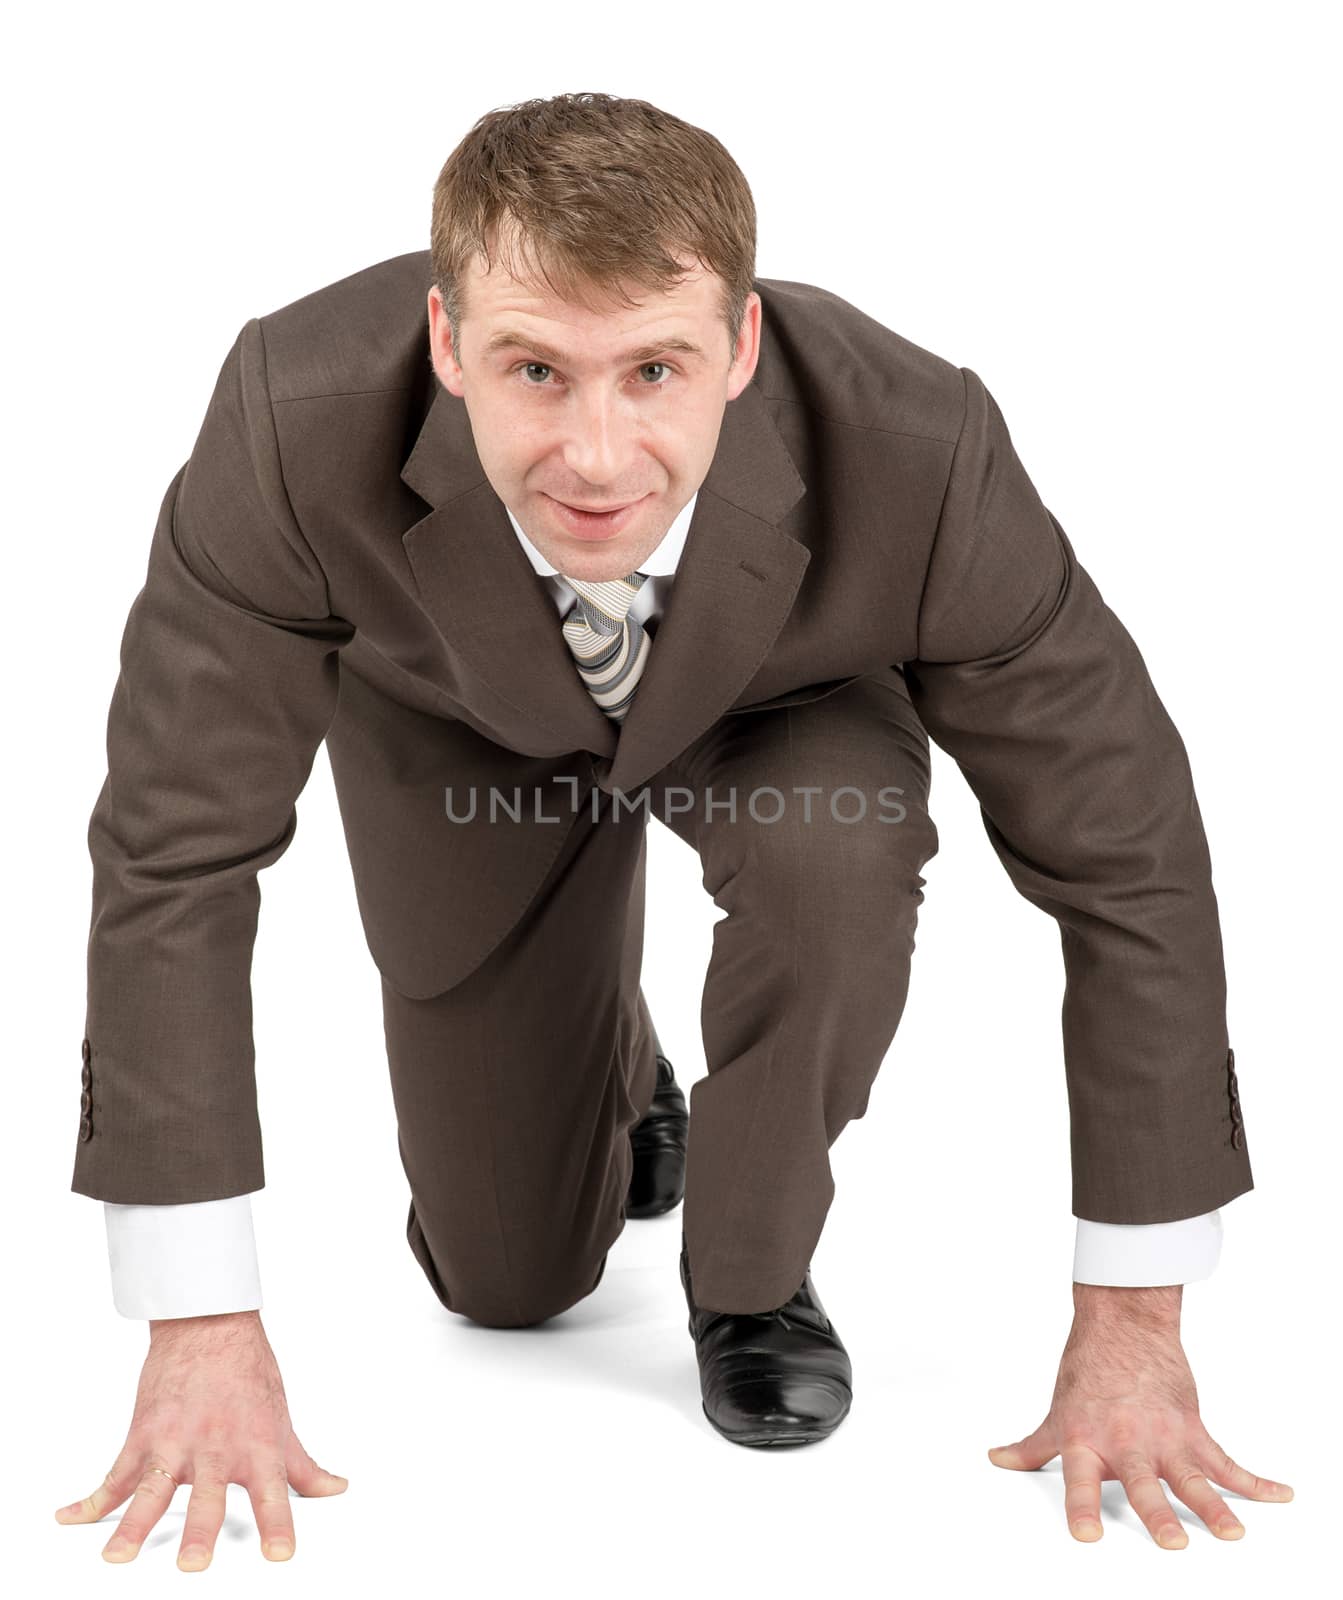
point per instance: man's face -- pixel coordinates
(594, 408)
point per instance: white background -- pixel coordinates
(1119, 217)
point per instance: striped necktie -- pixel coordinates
(609, 647)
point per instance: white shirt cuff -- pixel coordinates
(194, 1260)
(1146, 1255)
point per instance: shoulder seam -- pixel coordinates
(342, 394)
(859, 427)
(941, 513)
(279, 456)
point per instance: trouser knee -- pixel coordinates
(499, 1293)
(839, 897)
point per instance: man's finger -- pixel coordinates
(1148, 1499)
(268, 1486)
(109, 1494)
(152, 1497)
(1222, 1469)
(205, 1517)
(306, 1476)
(1198, 1494)
(1026, 1454)
(1082, 1469)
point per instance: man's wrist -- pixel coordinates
(1102, 1304)
(217, 1324)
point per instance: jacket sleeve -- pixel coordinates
(1034, 687)
(227, 685)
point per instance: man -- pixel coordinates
(625, 529)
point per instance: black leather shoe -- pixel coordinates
(657, 1183)
(776, 1377)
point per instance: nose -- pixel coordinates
(598, 445)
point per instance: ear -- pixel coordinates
(440, 345)
(747, 354)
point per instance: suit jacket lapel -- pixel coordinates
(492, 610)
(735, 584)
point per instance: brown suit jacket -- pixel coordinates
(331, 562)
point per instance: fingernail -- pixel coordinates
(1087, 1528)
(278, 1549)
(1230, 1529)
(1172, 1539)
(114, 1549)
(194, 1558)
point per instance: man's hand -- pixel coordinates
(1125, 1407)
(210, 1411)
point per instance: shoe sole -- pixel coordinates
(774, 1441)
(655, 1211)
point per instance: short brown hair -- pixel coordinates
(595, 190)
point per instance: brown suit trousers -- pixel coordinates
(515, 1091)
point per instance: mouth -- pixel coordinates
(602, 523)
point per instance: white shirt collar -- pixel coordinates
(663, 560)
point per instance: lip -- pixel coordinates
(594, 524)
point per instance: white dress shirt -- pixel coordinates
(200, 1258)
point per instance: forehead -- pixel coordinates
(502, 305)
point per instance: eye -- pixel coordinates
(540, 366)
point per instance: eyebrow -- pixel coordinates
(510, 339)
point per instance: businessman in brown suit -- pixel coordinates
(779, 545)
